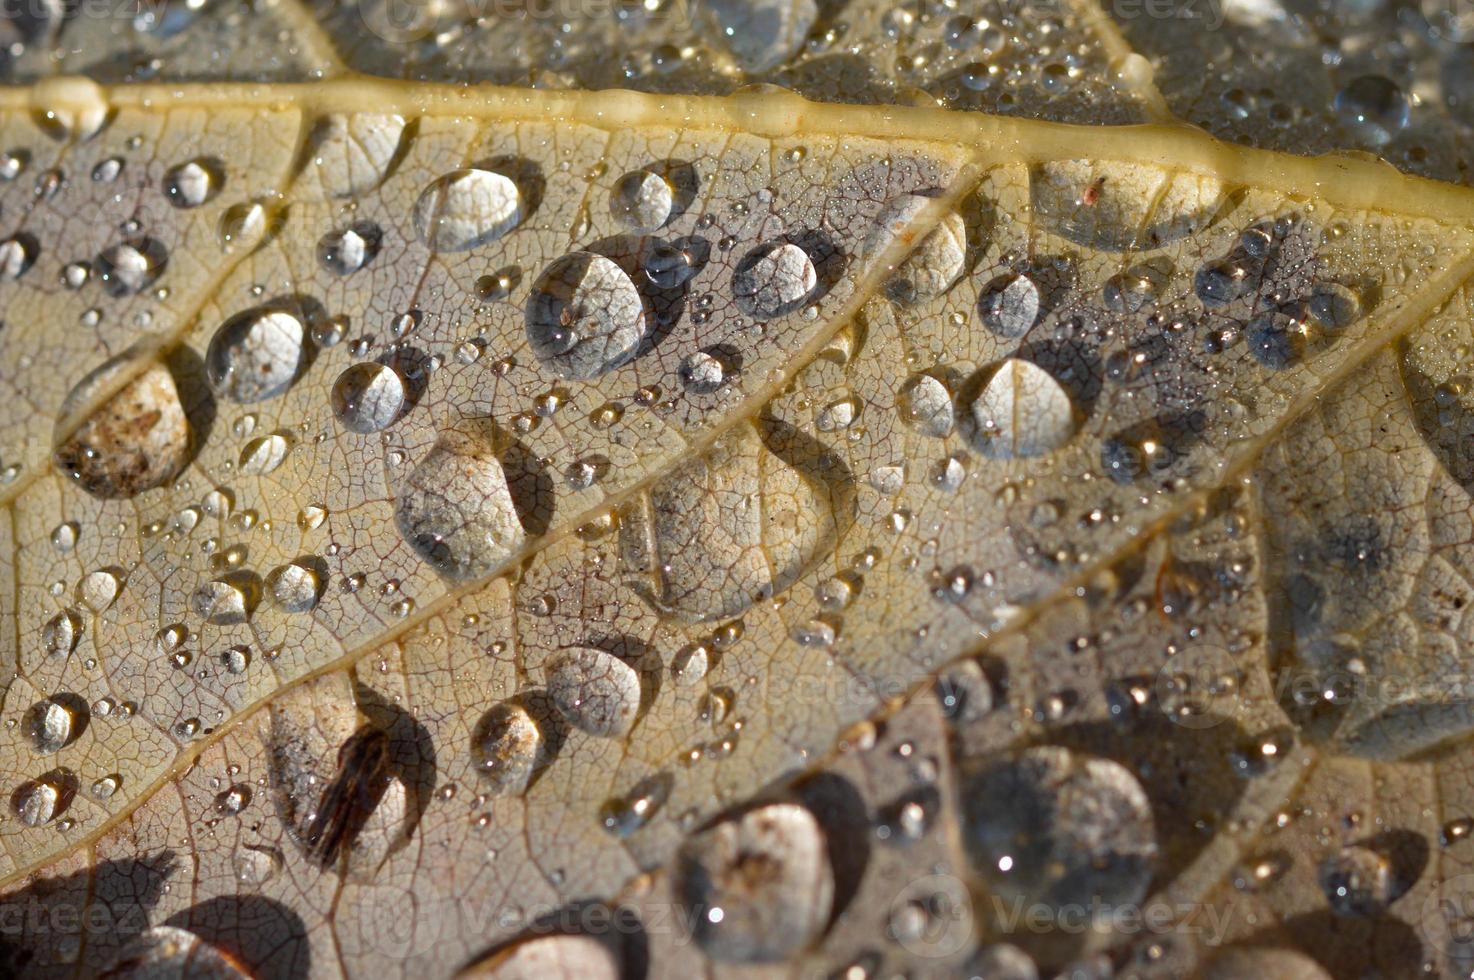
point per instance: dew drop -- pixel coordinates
(98, 590)
(1022, 412)
(626, 814)
(925, 404)
(347, 250)
(227, 600)
(54, 723)
(773, 280)
(595, 691)
(584, 316)
(132, 266)
(191, 184)
(704, 372)
(642, 201)
(669, 266)
(256, 354)
(467, 208)
(367, 397)
(17, 254)
(1373, 107)
(62, 632)
(294, 588)
(931, 267)
(64, 536)
(1010, 308)
(40, 801)
(264, 454)
(506, 747)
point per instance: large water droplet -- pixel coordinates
(227, 600)
(584, 316)
(1022, 412)
(1373, 107)
(467, 208)
(264, 454)
(54, 723)
(352, 153)
(294, 587)
(507, 747)
(925, 404)
(763, 34)
(193, 183)
(1011, 307)
(773, 280)
(595, 691)
(61, 632)
(1055, 827)
(98, 590)
(367, 397)
(168, 951)
(256, 354)
(122, 429)
(642, 201)
(455, 508)
(41, 800)
(349, 249)
(704, 372)
(759, 886)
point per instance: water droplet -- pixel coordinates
(1359, 882)
(925, 404)
(64, 536)
(764, 34)
(642, 201)
(669, 266)
(585, 316)
(773, 280)
(255, 864)
(498, 285)
(467, 208)
(98, 590)
(107, 170)
(704, 372)
(1022, 412)
(227, 600)
(507, 746)
(245, 226)
(368, 397)
(17, 254)
(595, 691)
(40, 801)
(932, 266)
(349, 249)
(62, 632)
(1010, 308)
(168, 951)
(264, 454)
(54, 723)
(256, 354)
(742, 915)
(236, 659)
(132, 266)
(1056, 827)
(105, 786)
(191, 184)
(624, 815)
(455, 508)
(1373, 107)
(294, 587)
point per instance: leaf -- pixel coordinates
(483, 520)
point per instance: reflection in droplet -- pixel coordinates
(642, 201)
(595, 691)
(746, 915)
(53, 723)
(455, 508)
(367, 397)
(1022, 412)
(584, 316)
(467, 208)
(256, 354)
(1011, 308)
(507, 747)
(774, 279)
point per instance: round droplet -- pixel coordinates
(349, 249)
(233, 800)
(244, 226)
(467, 208)
(925, 405)
(1011, 307)
(255, 355)
(193, 183)
(227, 600)
(1373, 107)
(759, 886)
(642, 201)
(294, 588)
(132, 266)
(704, 372)
(168, 951)
(773, 280)
(264, 454)
(98, 590)
(368, 397)
(1022, 412)
(40, 801)
(64, 536)
(506, 747)
(455, 508)
(54, 723)
(1055, 827)
(624, 815)
(1334, 306)
(108, 170)
(669, 266)
(105, 786)
(584, 316)
(236, 659)
(61, 632)
(595, 691)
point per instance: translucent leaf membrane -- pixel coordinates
(1055, 61)
(1390, 80)
(178, 39)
